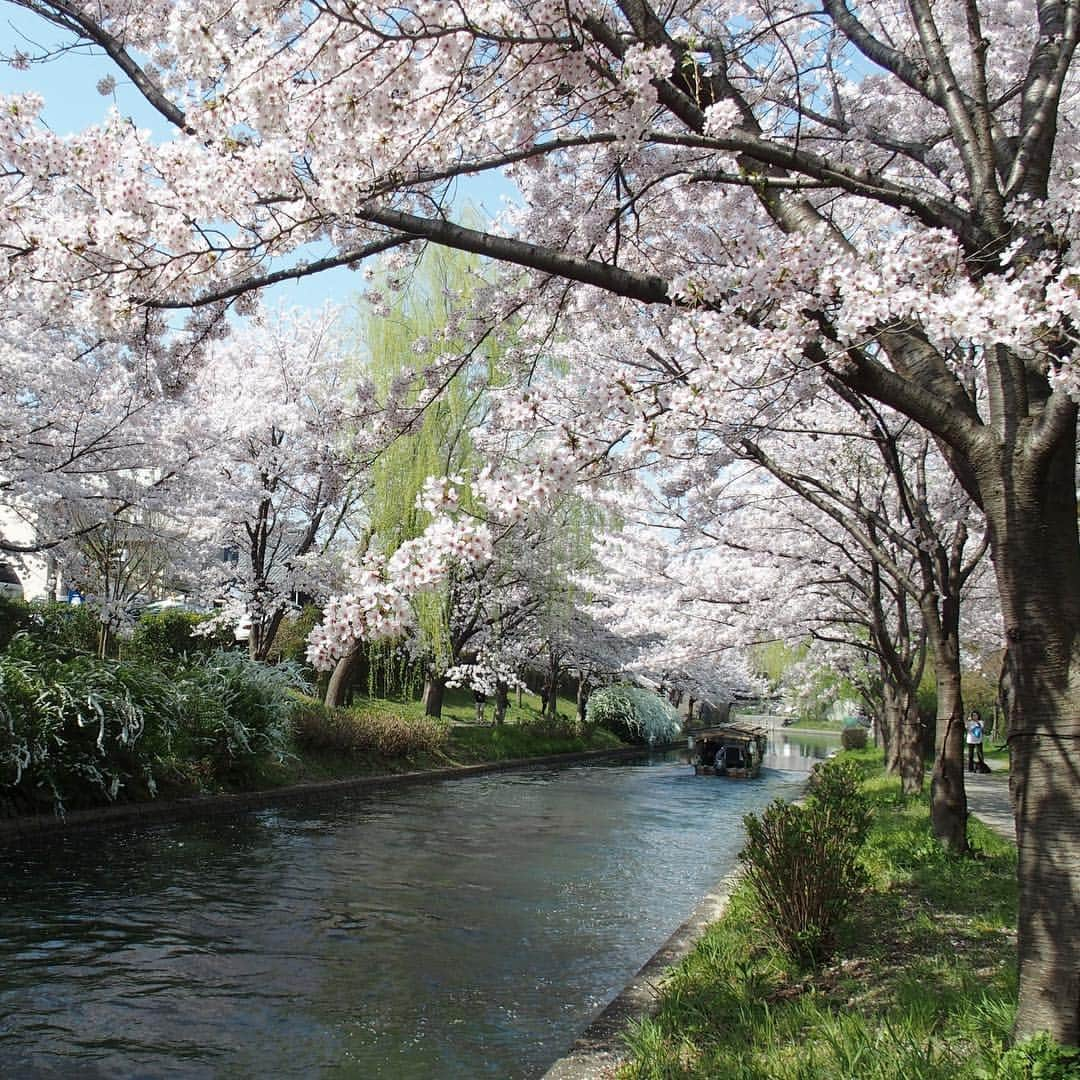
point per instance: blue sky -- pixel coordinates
(72, 102)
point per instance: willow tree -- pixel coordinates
(417, 332)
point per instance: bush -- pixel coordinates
(560, 726)
(170, 635)
(853, 737)
(290, 641)
(61, 630)
(803, 861)
(237, 708)
(15, 615)
(366, 731)
(610, 707)
(1039, 1058)
(82, 730)
(635, 715)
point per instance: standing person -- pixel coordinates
(974, 730)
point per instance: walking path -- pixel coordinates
(988, 799)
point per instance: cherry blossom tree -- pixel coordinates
(118, 564)
(905, 511)
(678, 610)
(750, 193)
(428, 372)
(281, 437)
(85, 429)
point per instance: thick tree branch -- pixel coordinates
(647, 288)
(70, 17)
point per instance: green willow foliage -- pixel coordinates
(414, 335)
(803, 861)
(391, 671)
(633, 714)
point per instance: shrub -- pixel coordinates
(633, 714)
(15, 615)
(610, 707)
(853, 737)
(1039, 1058)
(290, 641)
(559, 726)
(82, 730)
(170, 635)
(237, 708)
(61, 630)
(366, 731)
(802, 861)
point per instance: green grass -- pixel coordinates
(336, 756)
(469, 745)
(459, 707)
(923, 986)
(814, 725)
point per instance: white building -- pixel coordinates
(33, 569)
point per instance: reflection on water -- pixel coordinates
(467, 928)
(799, 751)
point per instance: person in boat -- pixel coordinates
(735, 758)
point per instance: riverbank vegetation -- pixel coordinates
(921, 984)
(179, 715)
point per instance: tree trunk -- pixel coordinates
(582, 697)
(340, 685)
(948, 800)
(889, 725)
(901, 736)
(434, 690)
(262, 636)
(909, 745)
(502, 700)
(550, 695)
(1037, 562)
(104, 641)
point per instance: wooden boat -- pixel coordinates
(729, 750)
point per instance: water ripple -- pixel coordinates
(461, 929)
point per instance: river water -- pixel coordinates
(465, 928)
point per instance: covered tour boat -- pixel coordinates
(730, 750)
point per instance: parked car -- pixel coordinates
(10, 585)
(156, 607)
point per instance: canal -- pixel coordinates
(463, 928)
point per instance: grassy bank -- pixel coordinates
(923, 984)
(379, 736)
